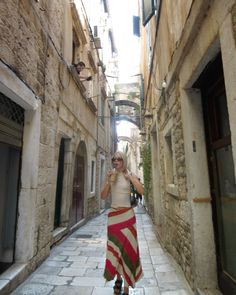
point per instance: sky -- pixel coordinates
(128, 46)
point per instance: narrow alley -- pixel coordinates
(75, 266)
(104, 100)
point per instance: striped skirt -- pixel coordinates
(122, 254)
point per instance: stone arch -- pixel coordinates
(127, 103)
(125, 138)
(134, 120)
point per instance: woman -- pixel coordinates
(80, 66)
(122, 257)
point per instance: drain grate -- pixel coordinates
(81, 236)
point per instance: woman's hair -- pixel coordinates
(121, 155)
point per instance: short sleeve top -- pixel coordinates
(120, 191)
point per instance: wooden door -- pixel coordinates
(77, 212)
(60, 176)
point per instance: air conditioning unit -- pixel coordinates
(97, 43)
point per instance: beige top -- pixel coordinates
(120, 192)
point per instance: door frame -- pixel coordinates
(211, 83)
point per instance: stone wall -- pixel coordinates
(189, 37)
(176, 228)
(29, 50)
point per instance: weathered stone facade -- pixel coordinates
(63, 137)
(186, 38)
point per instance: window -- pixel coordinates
(149, 45)
(102, 110)
(92, 188)
(75, 48)
(148, 10)
(169, 159)
(112, 120)
(170, 165)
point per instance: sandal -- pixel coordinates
(117, 287)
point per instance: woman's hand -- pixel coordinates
(127, 174)
(111, 177)
(109, 173)
(135, 181)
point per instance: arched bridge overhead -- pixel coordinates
(127, 103)
(125, 138)
(124, 113)
(134, 119)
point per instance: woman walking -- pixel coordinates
(122, 256)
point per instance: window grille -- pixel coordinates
(10, 110)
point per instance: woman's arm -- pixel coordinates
(105, 189)
(136, 183)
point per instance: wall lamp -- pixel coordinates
(163, 86)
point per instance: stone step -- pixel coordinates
(208, 292)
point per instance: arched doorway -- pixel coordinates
(77, 206)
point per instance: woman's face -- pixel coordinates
(117, 162)
(79, 68)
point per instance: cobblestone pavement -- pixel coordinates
(76, 265)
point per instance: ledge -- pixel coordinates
(14, 88)
(58, 234)
(12, 277)
(92, 195)
(208, 292)
(77, 80)
(172, 189)
(91, 105)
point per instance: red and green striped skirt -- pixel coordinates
(122, 254)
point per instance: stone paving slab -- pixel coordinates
(71, 290)
(34, 289)
(75, 267)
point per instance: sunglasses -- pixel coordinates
(116, 159)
